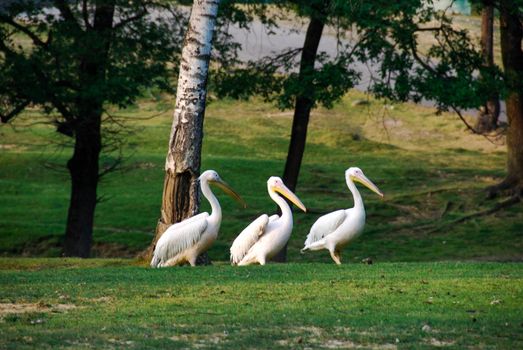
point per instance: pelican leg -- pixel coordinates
(174, 261)
(192, 260)
(247, 260)
(335, 255)
(338, 254)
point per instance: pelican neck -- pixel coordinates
(216, 210)
(358, 202)
(282, 203)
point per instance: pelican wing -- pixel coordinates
(247, 238)
(179, 237)
(325, 225)
(273, 217)
(188, 221)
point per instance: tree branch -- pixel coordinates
(44, 81)
(426, 66)
(52, 98)
(111, 168)
(36, 40)
(419, 60)
(6, 117)
(66, 12)
(85, 14)
(132, 18)
(470, 127)
(8, 52)
(501, 205)
(428, 29)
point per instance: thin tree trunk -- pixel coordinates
(83, 166)
(182, 167)
(488, 116)
(302, 111)
(512, 54)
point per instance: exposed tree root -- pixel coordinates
(509, 184)
(516, 198)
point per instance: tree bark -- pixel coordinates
(488, 115)
(182, 166)
(512, 55)
(83, 166)
(302, 111)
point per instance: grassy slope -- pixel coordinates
(306, 306)
(430, 169)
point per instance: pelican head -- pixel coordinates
(356, 174)
(276, 184)
(213, 178)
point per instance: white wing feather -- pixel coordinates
(273, 217)
(325, 225)
(247, 238)
(179, 237)
(188, 220)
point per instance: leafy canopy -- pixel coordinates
(381, 35)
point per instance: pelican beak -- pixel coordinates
(284, 191)
(228, 190)
(362, 179)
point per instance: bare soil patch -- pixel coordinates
(20, 308)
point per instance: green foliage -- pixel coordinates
(73, 304)
(55, 71)
(324, 86)
(384, 36)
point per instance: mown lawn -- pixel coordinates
(432, 171)
(81, 304)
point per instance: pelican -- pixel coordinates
(186, 240)
(266, 236)
(335, 230)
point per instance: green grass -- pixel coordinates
(93, 303)
(431, 170)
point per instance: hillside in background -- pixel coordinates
(430, 168)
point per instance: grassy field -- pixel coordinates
(431, 170)
(432, 173)
(436, 281)
(75, 304)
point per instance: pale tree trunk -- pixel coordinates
(512, 54)
(182, 166)
(489, 113)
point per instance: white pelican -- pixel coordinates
(186, 240)
(266, 236)
(335, 230)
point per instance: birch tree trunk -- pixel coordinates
(182, 166)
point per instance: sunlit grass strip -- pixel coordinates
(108, 303)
